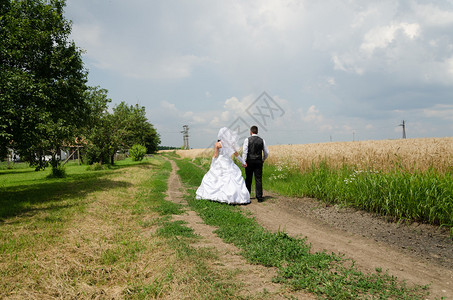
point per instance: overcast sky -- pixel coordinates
(304, 71)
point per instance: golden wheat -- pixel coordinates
(410, 154)
(418, 154)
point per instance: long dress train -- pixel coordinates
(224, 182)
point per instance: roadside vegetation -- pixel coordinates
(328, 275)
(425, 197)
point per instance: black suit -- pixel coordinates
(255, 165)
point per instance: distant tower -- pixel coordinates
(185, 136)
(403, 124)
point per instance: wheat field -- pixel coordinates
(418, 154)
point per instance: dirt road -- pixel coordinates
(418, 254)
(360, 236)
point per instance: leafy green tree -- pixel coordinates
(131, 127)
(108, 133)
(97, 135)
(42, 80)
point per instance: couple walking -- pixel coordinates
(224, 182)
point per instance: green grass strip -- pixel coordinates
(328, 275)
(423, 197)
(152, 192)
(207, 282)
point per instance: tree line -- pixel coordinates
(45, 102)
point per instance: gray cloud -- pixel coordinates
(336, 66)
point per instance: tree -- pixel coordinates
(132, 127)
(108, 133)
(98, 132)
(42, 80)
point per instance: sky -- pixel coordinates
(302, 71)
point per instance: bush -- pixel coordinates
(58, 172)
(137, 152)
(95, 167)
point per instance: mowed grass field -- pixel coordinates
(407, 179)
(103, 234)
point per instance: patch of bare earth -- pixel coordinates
(418, 254)
(256, 280)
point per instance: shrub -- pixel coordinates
(58, 172)
(137, 152)
(95, 167)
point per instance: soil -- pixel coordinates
(416, 253)
(256, 280)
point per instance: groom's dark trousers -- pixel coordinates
(255, 167)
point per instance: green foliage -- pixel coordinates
(42, 80)
(134, 128)
(58, 172)
(423, 197)
(98, 132)
(95, 167)
(137, 152)
(109, 133)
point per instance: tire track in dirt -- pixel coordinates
(368, 254)
(256, 279)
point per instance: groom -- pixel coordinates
(254, 152)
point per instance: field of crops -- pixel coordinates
(409, 179)
(408, 154)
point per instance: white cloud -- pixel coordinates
(360, 18)
(348, 63)
(168, 105)
(331, 81)
(449, 64)
(381, 37)
(235, 105)
(312, 115)
(441, 111)
(433, 15)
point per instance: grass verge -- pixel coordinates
(328, 275)
(423, 197)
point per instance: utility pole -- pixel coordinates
(185, 136)
(403, 124)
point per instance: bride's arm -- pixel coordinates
(216, 149)
(241, 160)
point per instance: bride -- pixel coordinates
(224, 182)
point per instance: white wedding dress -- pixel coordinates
(224, 182)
